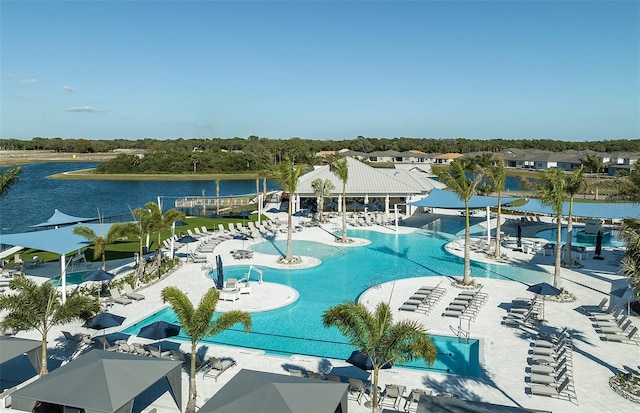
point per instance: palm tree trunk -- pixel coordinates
(466, 279)
(104, 261)
(557, 281)
(289, 255)
(498, 240)
(374, 404)
(568, 258)
(44, 370)
(344, 212)
(191, 404)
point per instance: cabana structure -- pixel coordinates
(101, 382)
(257, 391)
(13, 347)
(59, 219)
(60, 241)
(612, 210)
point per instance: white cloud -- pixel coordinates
(88, 109)
(67, 89)
(30, 80)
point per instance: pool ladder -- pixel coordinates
(462, 334)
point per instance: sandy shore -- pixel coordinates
(9, 158)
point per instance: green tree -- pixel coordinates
(321, 190)
(32, 306)
(594, 164)
(464, 186)
(8, 178)
(495, 171)
(117, 230)
(551, 190)
(628, 186)
(198, 323)
(340, 168)
(630, 264)
(378, 337)
(287, 175)
(574, 183)
(159, 222)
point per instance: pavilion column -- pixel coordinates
(63, 277)
(340, 203)
(386, 204)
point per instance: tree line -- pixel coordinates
(297, 148)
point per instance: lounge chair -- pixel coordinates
(178, 355)
(217, 367)
(70, 337)
(549, 368)
(550, 391)
(356, 388)
(621, 338)
(140, 350)
(125, 347)
(394, 392)
(156, 352)
(414, 397)
(106, 345)
(548, 379)
(606, 316)
(296, 372)
(333, 377)
(118, 298)
(128, 292)
(590, 309)
(314, 375)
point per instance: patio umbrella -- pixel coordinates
(187, 239)
(103, 321)
(598, 246)
(355, 205)
(159, 330)
(181, 223)
(331, 204)
(220, 282)
(544, 289)
(214, 215)
(98, 275)
(273, 211)
(362, 361)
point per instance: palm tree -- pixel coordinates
(144, 220)
(594, 164)
(551, 190)
(377, 337)
(630, 265)
(574, 184)
(287, 176)
(159, 222)
(32, 306)
(628, 186)
(198, 323)
(456, 180)
(495, 171)
(8, 178)
(117, 230)
(322, 189)
(340, 168)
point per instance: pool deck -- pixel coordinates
(504, 350)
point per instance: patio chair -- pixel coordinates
(140, 350)
(621, 338)
(548, 379)
(414, 397)
(217, 367)
(156, 352)
(70, 337)
(356, 388)
(118, 298)
(178, 355)
(394, 392)
(106, 345)
(550, 391)
(128, 292)
(296, 372)
(590, 309)
(125, 347)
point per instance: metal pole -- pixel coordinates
(173, 232)
(488, 226)
(63, 277)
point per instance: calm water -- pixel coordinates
(34, 197)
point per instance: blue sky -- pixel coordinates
(567, 70)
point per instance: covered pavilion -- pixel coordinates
(611, 210)
(60, 219)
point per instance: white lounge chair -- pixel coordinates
(621, 338)
(129, 293)
(118, 298)
(551, 391)
(217, 367)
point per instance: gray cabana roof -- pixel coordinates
(60, 241)
(13, 347)
(257, 391)
(60, 218)
(440, 198)
(614, 210)
(436, 404)
(101, 382)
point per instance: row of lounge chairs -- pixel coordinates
(612, 324)
(467, 304)
(126, 297)
(551, 366)
(423, 300)
(523, 312)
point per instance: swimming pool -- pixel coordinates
(344, 274)
(73, 278)
(550, 234)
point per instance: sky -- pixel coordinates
(566, 70)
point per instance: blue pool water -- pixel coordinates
(550, 234)
(343, 275)
(73, 278)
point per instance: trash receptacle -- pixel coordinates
(145, 250)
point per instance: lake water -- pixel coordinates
(34, 197)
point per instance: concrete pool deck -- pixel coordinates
(504, 350)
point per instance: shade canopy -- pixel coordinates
(98, 275)
(261, 392)
(615, 210)
(362, 361)
(187, 239)
(60, 218)
(440, 198)
(13, 347)
(101, 382)
(106, 320)
(159, 330)
(544, 289)
(60, 241)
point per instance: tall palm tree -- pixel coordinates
(159, 222)
(144, 222)
(376, 336)
(551, 190)
(100, 242)
(8, 178)
(287, 175)
(340, 168)
(574, 183)
(630, 265)
(464, 186)
(495, 171)
(198, 323)
(32, 306)
(322, 189)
